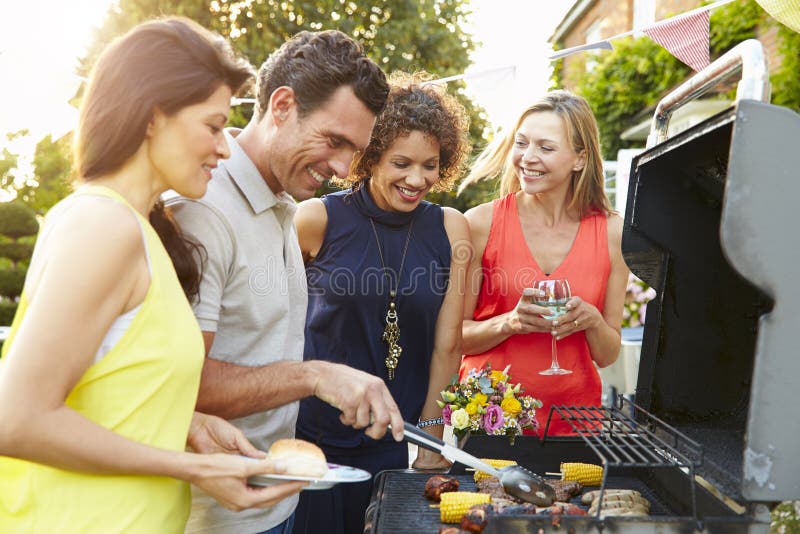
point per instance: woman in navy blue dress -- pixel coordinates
(386, 275)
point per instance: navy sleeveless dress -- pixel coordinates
(348, 295)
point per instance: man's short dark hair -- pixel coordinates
(315, 65)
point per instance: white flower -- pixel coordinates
(459, 419)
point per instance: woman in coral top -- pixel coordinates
(552, 220)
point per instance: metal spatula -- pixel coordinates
(516, 480)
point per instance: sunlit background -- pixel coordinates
(40, 41)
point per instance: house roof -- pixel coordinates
(575, 13)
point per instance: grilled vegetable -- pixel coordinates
(590, 496)
(456, 503)
(586, 474)
(499, 464)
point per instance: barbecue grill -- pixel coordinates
(712, 437)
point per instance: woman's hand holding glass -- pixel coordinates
(553, 295)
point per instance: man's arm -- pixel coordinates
(231, 391)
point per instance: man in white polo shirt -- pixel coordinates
(318, 97)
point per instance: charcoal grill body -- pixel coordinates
(709, 227)
(398, 505)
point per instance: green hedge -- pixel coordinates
(7, 310)
(16, 251)
(17, 220)
(11, 282)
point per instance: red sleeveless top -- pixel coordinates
(509, 267)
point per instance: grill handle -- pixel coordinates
(747, 57)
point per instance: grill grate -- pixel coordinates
(399, 506)
(636, 439)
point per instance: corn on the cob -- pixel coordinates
(480, 475)
(586, 474)
(456, 503)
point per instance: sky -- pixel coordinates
(40, 41)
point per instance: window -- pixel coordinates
(592, 36)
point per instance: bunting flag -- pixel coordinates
(787, 12)
(599, 45)
(686, 38)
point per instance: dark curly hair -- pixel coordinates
(315, 65)
(415, 105)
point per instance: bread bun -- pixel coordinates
(301, 458)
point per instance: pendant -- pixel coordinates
(391, 334)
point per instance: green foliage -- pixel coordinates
(7, 310)
(731, 24)
(17, 220)
(52, 163)
(17, 225)
(11, 282)
(401, 34)
(625, 81)
(786, 518)
(639, 72)
(786, 82)
(16, 251)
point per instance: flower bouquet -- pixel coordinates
(486, 403)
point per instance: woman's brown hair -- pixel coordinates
(167, 64)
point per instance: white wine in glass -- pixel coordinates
(553, 295)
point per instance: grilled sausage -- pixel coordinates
(590, 496)
(622, 512)
(620, 501)
(621, 507)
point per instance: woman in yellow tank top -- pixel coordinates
(100, 373)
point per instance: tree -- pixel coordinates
(639, 72)
(17, 221)
(409, 35)
(52, 164)
(625, 81)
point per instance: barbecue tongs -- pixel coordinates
(516, 480)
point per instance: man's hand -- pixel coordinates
(363, 399)
(209, 434)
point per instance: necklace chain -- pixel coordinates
(391, 333)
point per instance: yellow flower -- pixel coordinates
(472, 408)
(511, 405)
(509, 393)
(497, 376)
(459, 419)
(481, 399)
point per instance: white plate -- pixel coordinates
(336, 474)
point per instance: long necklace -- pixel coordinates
(391, 333)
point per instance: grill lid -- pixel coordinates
(708, 227)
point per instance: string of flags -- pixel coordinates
(685, 36)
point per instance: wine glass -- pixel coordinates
(553, 295)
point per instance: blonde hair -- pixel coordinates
(588, 184)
